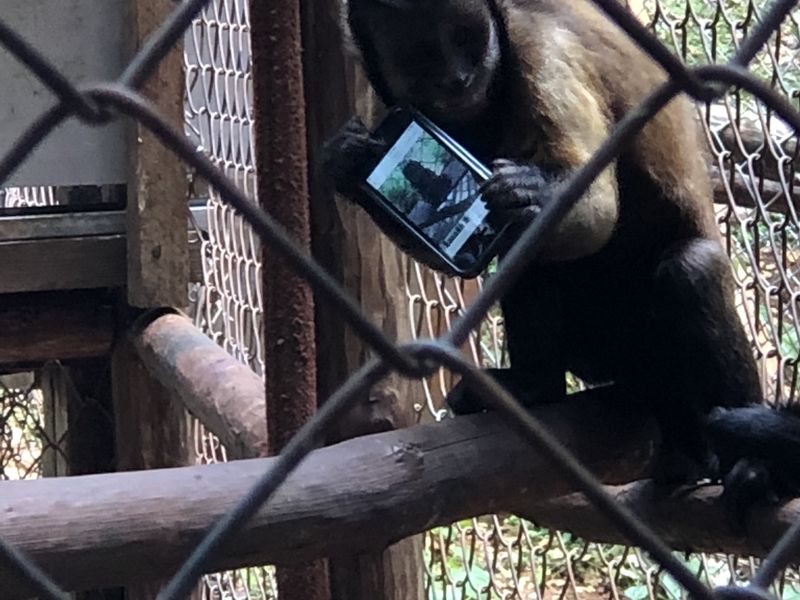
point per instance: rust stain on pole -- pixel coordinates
(280, 134)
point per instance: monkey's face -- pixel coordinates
(440, 56)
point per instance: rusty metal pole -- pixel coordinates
(280, 134)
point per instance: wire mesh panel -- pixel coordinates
(755, 158)
(26, 197)
(228, 303)
(26, 445)
(218, 119)
(52, 425)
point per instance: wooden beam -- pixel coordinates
(374, 271)
(152, 430)
(692, 522)
(352, 498)
(158, 247)
(39, 327)
(62, 264)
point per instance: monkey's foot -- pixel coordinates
(747, 485)
(462, 400)
(517, 192)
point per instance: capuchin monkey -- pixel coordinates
(633, 287)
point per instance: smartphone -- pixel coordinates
(431, 185)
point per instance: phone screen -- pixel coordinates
(437, 192)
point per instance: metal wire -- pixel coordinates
(421, 359)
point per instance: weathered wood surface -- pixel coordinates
(374, 271)
(62, 264)
(693, 521)
(45, 326)
(158, 247)
(351, 498)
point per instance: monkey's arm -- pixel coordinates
(574, 121)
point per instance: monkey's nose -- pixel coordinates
(458, 82)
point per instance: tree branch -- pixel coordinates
(356, 496)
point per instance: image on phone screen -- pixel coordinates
(436, 191)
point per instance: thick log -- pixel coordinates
(226, 395)
(354, 497)
(693, 522)
(39, 327)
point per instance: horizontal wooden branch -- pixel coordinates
(693, 521)
(226, 395)
(356, 496)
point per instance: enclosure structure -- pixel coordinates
(756, 194)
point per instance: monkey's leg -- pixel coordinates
(534, 334)
(698, 352)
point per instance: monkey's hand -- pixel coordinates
(345, 158)
(345, 155)
(517, 192)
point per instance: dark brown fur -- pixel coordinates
(633, 287)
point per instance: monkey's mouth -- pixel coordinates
(466, 106)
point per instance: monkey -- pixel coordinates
(633, 287)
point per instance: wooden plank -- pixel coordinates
(62, 264)
(158, 255)
(71, 224)
(152, 427)
(40, 327)
(86, 397)
(55, 399)
(372, 270)
(352, 498)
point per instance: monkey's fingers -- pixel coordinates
(355, 125)
(503, 163)
(504, 194)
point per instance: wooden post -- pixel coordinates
(79, 424)
(152, 429)
(85, 386)
(158, 211)
(348, 244)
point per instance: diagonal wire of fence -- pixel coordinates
(99, 104)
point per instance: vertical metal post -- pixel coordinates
(280, 133)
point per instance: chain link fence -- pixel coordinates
(496, 556)
(52, 425)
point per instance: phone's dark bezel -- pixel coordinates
(390, 130)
